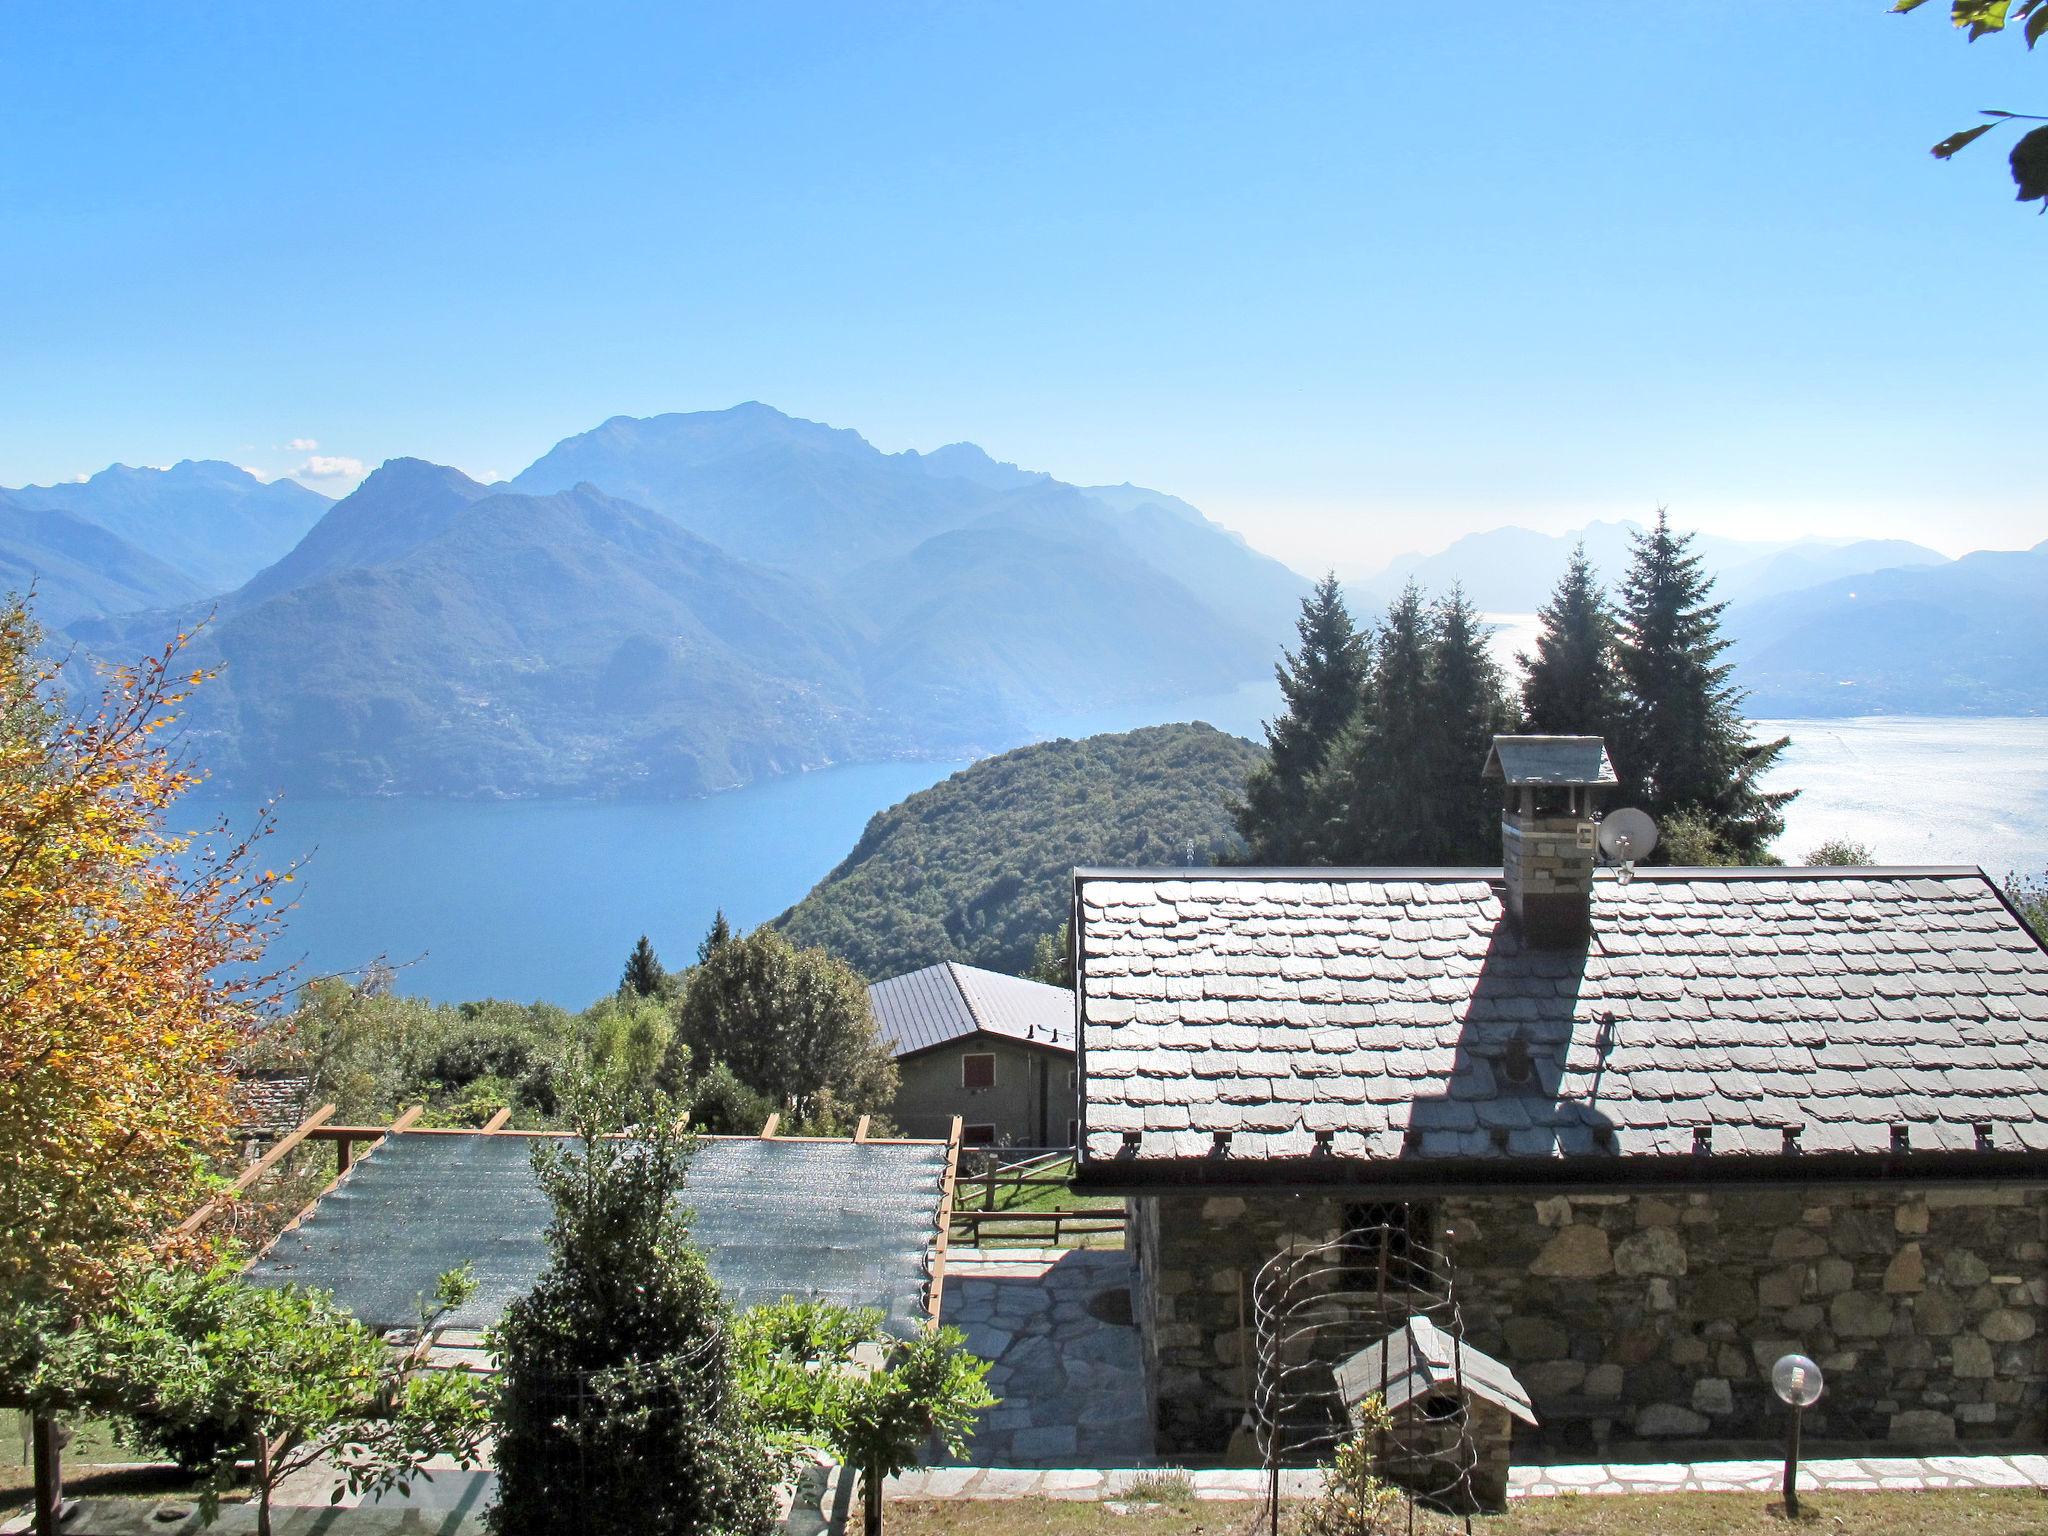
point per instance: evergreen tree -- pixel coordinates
(716, 938)
(1687, 747)
(1469, 704)
(643, 974)
(618, 1405)
(1321, 684)
(1571, 686)
(1376, 800)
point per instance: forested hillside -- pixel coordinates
(976, 869)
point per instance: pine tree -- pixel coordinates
(719, 935)
(643, 974)
(1321, 684)
(1470, 707)
(1687, 747)
(1572, 687)
(1375, 801)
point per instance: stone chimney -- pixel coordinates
(1546, 830)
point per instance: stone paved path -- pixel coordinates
(1056, 1322)
(1838, 1474)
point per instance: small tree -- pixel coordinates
(130, 969)
(831, 1378)
(205, 1366)
(793, 1024)
(715, 938)
(2029, 898)
(1052, 958)
(1841, 851)
(643, 974)
(1354, 1500)
(616, 1409)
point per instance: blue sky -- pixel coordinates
(1354, 278)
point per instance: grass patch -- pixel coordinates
(92, 1465)
(1945, 1512)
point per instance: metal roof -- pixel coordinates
(1253, 1024)
(949, 1001)
(1537, 762)
(1418, 1359)
(850, 1222)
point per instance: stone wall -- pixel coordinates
(1634, 1317)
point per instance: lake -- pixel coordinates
(542, 899)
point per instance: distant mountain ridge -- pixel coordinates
(78, 569)
(684, 604)
(1962, 638)
(213, 523)
(1512, 570)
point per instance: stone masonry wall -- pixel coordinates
(1637, 1317)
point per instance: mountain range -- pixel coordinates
(1816, 627)
(686, 603)
(1512, 570)
(214, 524)
(677, 604)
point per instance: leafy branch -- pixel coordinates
(1982, 18)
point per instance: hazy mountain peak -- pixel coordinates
(213, 522)
(971, 462)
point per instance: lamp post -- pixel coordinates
(1795, 1379)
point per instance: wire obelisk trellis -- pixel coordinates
(1319, 1305)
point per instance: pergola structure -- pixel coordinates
(859, 1220)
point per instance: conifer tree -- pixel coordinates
(1469, 707)
(719, 935)
(1321, 684)
(1687, 747)
(1375, 802)
(643, 974)
(1572, 686)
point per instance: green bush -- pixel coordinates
(618, 1409)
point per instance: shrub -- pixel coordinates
(617, 1408)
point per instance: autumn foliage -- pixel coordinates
(117, 1017)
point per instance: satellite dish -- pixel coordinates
(1627, 835)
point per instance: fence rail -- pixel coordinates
(981, 1229)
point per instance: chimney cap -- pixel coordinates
(1537, 762)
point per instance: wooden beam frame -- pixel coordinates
(497, 1122)
(403, 1122)
(254, 1171)
(768, 1128)
(938, 1301)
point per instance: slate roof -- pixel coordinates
(1392, 1008)
(1419, 1358)
(270, 1101)
(947, 1002)
(1539, 761)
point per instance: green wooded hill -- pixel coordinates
(976, 868)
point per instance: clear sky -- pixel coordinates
(1354, 278)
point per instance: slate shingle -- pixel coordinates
(1374, 1003)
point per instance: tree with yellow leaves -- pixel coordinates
(130, 968)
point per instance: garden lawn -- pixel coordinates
(1957, 1512)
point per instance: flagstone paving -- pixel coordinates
(1056, 1324)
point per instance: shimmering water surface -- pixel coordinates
(534, 899)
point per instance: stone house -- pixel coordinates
(1666, 1128)
(996, 1050)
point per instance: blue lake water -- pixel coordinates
(530, 899)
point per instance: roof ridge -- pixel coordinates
(953, 970)
(1328, 872)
